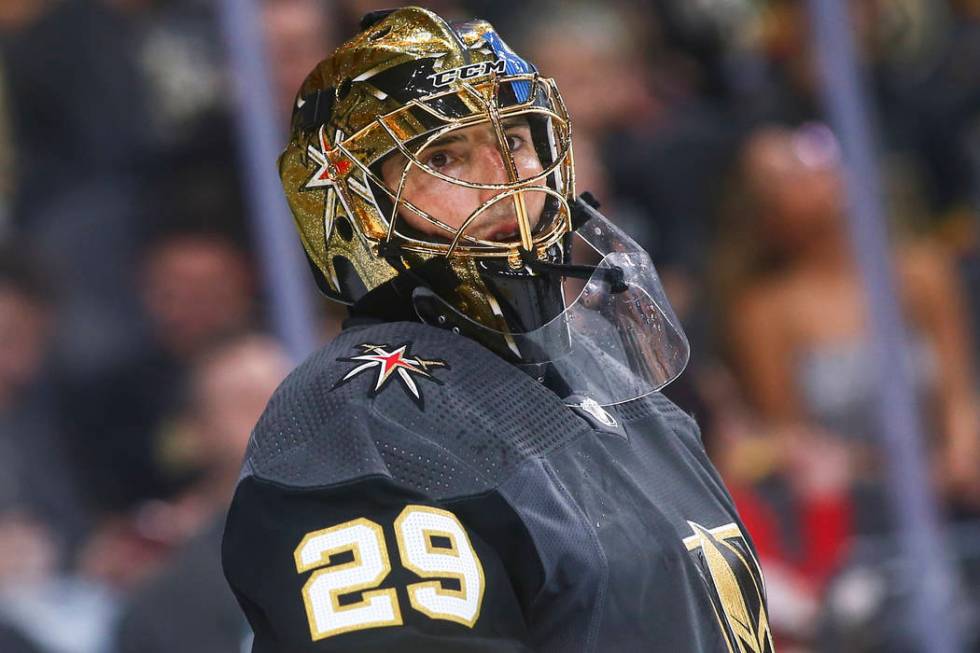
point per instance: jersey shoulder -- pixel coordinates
(424, 406)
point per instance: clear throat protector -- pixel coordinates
(616, 338)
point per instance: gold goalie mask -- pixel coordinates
(429, 171)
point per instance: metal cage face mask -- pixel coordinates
(518, 201)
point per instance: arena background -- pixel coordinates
(151, 297)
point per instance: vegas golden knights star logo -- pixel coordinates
(392, 363)
(731, 571)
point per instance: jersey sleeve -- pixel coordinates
(370, 565)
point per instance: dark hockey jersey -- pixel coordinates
(408, 490)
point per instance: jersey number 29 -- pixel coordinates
(431, 543)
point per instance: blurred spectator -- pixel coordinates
(940, 111)
(76, 612)
(77, 101)
(298, 34)
(595, 55)
(78, 111)
(40, 515)
(196, 287)
(865, 609)
(231, 385)
(25, 327)
(178, 55)
(801, 532)
(797, 319)
(42, 520)
(201, 614)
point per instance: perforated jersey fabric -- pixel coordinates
(588, 538)
(481, 421)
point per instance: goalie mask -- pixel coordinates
(429, 166)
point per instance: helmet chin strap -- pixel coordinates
(613, 276)
(584, 208)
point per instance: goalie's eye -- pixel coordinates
(438, 160)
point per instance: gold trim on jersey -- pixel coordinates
(736, 579)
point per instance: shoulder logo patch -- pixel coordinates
(392, 362)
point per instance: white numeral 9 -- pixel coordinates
(321, 593)
(433, 544)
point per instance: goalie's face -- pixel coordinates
(470, 155)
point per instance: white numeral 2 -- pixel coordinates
(321, 593)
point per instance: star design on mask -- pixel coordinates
(328, 173)
(392, 363)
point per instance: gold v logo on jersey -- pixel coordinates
(730, 569)
(390, 363)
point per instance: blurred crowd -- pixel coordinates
(135, 351)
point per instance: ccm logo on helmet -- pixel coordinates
(470, 71)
